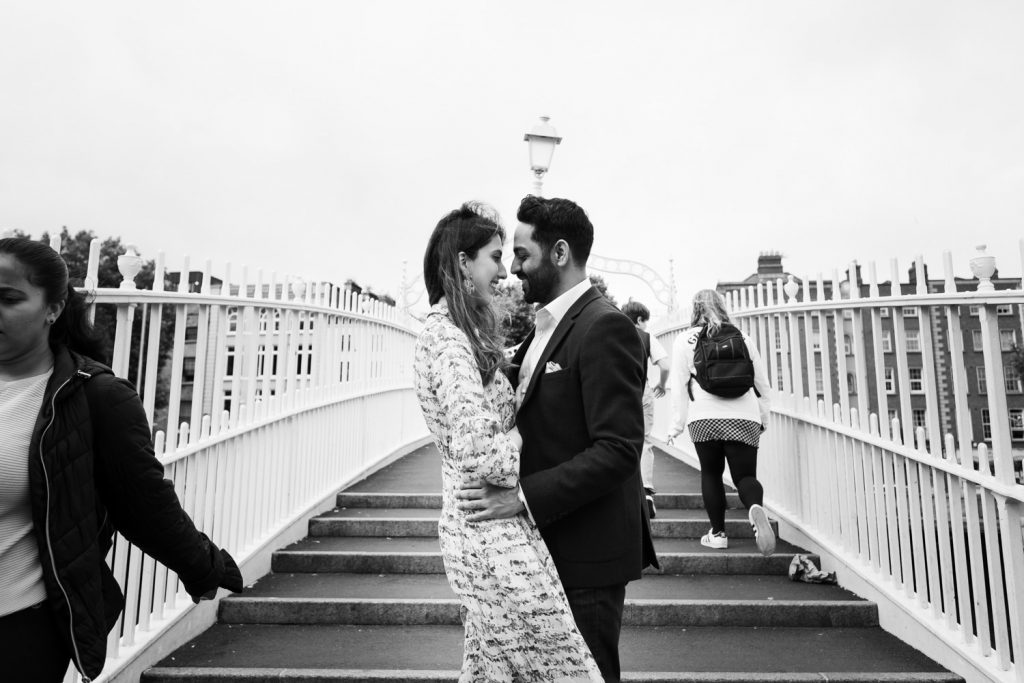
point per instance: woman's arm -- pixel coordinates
(142, 504)
(679, 378)
(761, 384)
(478, 442)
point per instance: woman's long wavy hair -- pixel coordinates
(709, 309)
(466, 230)
(48, 271)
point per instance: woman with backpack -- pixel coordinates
(721, 388)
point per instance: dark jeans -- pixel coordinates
(598, 615)
(742, 460)
(33, 648)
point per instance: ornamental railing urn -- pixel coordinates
(983, 267)
(129, 264)
(791, 288)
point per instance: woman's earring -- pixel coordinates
(469, 287)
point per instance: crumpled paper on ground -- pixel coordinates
(802, 568)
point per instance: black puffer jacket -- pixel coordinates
(92, 471)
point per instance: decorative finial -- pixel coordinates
(984, 267)
(129, 264)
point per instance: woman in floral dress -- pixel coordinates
(518, 625)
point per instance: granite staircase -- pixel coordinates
(364, 598)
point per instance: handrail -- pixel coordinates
(258, 418)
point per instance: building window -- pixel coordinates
(1004, 309)
(1007, 339)
(778, 334)
(973, 310)
(191, 333)
(909, 311)
(304, 358)
(979, 372)
(229, 367)
(232, 319)
(976, 340)
(986, 424)
(916, 381)
(847, 344)
(890, 380)
(778, 377)
(884, 310)
(1017, 424)
(919, 419)
(851, 383)
(887, 342)
(188, 369)
(913, 340)
(1011, 378)
(819, 381)
(848, 314)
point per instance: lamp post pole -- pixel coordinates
(542, 140)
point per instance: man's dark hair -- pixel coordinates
(635, 311)
(558, 219)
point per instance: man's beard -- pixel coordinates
(539, 285)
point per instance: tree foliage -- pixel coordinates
(75, 250)
(515, 316)
(602, 287)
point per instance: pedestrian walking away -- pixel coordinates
(655, 354)
(721, 397)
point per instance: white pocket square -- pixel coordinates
(552, 367)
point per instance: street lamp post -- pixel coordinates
(542, 139)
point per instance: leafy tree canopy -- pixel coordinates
(602, 287)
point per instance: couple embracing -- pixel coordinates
(543, 519)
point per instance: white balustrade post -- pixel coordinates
(128, 264)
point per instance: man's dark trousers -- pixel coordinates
(598, 615)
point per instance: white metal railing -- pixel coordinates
(277, 392)
(918, 506)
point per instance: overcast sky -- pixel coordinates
(325, 139)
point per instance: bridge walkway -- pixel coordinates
(364, 598)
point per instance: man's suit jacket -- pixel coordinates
(583, 429)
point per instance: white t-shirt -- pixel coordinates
(21, 574)
(705, 406)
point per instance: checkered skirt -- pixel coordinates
(744, 431)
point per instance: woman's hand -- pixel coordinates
(516, 437)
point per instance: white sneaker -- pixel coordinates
(763, 534)
(712, 540)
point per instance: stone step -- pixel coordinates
(652, 586)
(346, 654)
(421, 555)
(422, 522)
(756, 613)
(349, 499)
(655, 601)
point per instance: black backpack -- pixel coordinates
(721, 364)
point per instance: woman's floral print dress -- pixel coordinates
(517, 620)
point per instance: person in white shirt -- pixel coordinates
(654, 353)
(722, 429)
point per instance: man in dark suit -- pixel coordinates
(579, 386)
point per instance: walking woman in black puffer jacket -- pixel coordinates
(76, 465)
